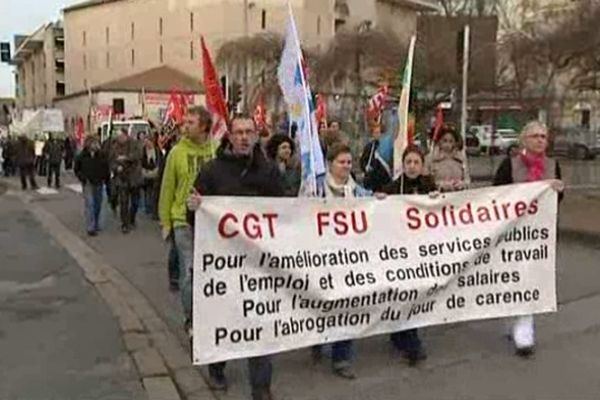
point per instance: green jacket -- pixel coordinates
(183, 164)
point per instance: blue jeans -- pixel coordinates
(341, 353)
(173, 263)
(408, 341)
(92, 197)
(260, 371)
(184, 243)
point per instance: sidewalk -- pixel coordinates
(467, 361)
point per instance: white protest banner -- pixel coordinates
(272, 275)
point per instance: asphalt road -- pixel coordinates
(58, 340)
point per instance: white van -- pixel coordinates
(134, 127)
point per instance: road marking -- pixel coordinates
(47, 191)
(76, 187)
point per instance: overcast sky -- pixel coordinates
(24, 17)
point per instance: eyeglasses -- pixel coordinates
(537, 136)
(239, 132)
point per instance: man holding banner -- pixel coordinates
(240, 169)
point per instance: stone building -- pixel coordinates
(39, 61)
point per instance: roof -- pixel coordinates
(419, 5)
(87, 4)
(162, 79)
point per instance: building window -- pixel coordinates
(263, 20)
(586, 117)
(85, 62)
(339, 24)
(192, 50)
(132, 31)
(85, 83)
(107, 59)
(191, 22)
(133, 57)
(160, 26)
(84, 38)
(319, 25)
(160, 54)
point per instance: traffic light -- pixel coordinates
(5, 52)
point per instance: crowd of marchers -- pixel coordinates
(170, 172)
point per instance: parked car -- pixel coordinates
(134, 127)
(500, 142)
(577, 143)
(472, 145)
(508, 140)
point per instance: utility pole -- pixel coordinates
(246, 34)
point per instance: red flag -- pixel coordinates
(411, 131)
(214, 95)
(176, 108)
(321, 112)
(439, 123)
(377, 103)
(79, 132)
(260, 114)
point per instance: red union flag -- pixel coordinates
(176, 109)
(214, 95)
(321, 112)
(377, 102)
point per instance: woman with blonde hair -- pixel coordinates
(530, 164)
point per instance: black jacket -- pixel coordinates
(93, 169)
(24, 152)
(53, 151)
(231, 175)
(376, 175)
(420, 185)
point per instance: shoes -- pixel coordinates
(345, 372)
(414, 356)
(525, 352)
(124, 229)
(217, 381)
(187, 326)
(173, 287)
(92, 233)
(262, 393)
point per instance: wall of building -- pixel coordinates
(37, 75)
(118, 39)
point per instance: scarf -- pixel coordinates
(536, 165)
(333, 189)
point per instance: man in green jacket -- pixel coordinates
(183, 164)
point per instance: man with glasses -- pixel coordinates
(239, 169)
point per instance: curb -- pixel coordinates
(164, 366)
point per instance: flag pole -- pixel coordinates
(465, 94)
(308, 117)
